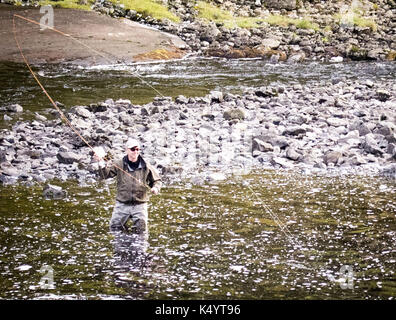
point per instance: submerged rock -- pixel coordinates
(53, 192)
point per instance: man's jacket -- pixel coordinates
(132, 186)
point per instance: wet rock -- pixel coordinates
(53, 192)
(68, 157)
(262, 146)
(39, 117)
(234, 114)
(383, 95)
(9, 170)
(292, 154)
(333, 157)
(372, 144)
(14, 108)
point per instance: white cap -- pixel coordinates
(132, 143)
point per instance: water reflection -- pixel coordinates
(208, 241)
(130, 251)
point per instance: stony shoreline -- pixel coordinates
(331, 39)
(345, 127)
(322, 34)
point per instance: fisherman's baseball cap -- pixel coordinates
(132, 143)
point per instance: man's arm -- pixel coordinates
(154, 181)
(107, 171)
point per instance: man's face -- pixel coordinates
(133, 153)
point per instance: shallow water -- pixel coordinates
(265, 235)
(261, 236)
(72, 85)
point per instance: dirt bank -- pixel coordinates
(120, 40)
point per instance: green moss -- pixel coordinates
(144, 7)
(355, 19)
(149, 8)
(69, 4)
(211, 13)
(364, 22)
(279, 20)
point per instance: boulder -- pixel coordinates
(53, 192)
(259, 145)
(234, 114)
(373, 143)
(14, 108)
(292, 154)
(333, 157)
(68, 157)
(382, 95)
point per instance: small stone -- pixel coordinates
(14, 108)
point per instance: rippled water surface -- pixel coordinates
(261, 236)
(73, 85)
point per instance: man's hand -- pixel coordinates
(154, 190)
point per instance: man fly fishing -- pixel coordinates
(136, 179)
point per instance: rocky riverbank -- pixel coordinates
(279, 30)
(343, 127)
(288, 30)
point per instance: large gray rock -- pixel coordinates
(262, 146)
(68, 157)
(374, 144)
(333, 157)
(53, 192)
(14, 108)
(234, 114)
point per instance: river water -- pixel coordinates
(261, 235)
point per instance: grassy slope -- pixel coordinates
(144, 7)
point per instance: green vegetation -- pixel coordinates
(144, 7)
(149, 8)
(356, 19)
(212, 13)
(70, 4)
(364, 22)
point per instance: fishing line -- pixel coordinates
(137, 75)
(53, 102)
(275, 217)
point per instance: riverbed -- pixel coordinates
(192, 77)
(260, 234)
(266, 235)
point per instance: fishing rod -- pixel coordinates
(282, 227)
(53, 102)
